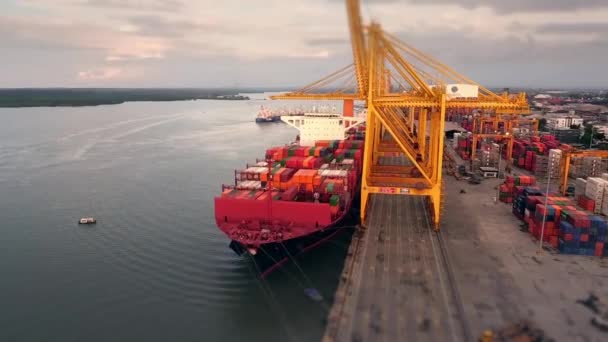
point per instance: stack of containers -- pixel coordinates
(576, 164)
(305, 179)
(529, 163)
(555, 162)
(579, 188)
(571, 230)
(334, 204)
(586, 203)
(495, 154)
(548, 166)
(537, 210)
(485, 159)
(519, 149)
(505, 194)
(290, 194)
(519, 201)
(550, 214)
(604, 207)
(540, 166)
(592, 167)
(332, 186)
(507, 189)
(582, 233)
(547, 137)
(551, 145)
(533, 201)
(455, 141)
(464, 145)
(281, 178)
(595, 192)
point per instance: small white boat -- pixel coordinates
(87, 220)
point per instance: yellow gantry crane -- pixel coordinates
(405, 94)
(501, 128)
(565, 164)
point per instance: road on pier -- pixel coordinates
(397, 283)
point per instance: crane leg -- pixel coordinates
(364, 199)
(435, 203)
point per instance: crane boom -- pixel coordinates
(357, 36)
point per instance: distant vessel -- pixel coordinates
(274, 115)
(87, 220)
(266, 115)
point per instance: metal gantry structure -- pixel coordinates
(501, 128)
(565, 164)
(404, 91)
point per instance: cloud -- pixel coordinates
(157, 26)
(511, 6)
(145, 5)
(574, 28)
(327, 41)
(270, 42)
(100, 74)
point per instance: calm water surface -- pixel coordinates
(155, 267)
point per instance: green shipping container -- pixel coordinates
(334, 200)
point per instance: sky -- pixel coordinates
(289, 43)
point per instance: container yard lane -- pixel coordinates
(396, 284)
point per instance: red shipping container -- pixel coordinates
(289, 194)
(531, 227)
(599, 249)
(568, 237)
(581, 221)
(584, 237)
(554, 241)
(586, 203)
(286, 175)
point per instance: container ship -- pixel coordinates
(266, 115)
(299, 193)
(274, 115)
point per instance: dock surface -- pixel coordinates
(395, 285)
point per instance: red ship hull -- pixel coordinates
(298, 193)
(248, 222)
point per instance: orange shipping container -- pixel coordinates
(317, 180)
(277, 175)
(264, 176)
(308, 162)
(304, 176)
(322, 143)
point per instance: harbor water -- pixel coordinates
(154, 267)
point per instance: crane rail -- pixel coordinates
(397, 283)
